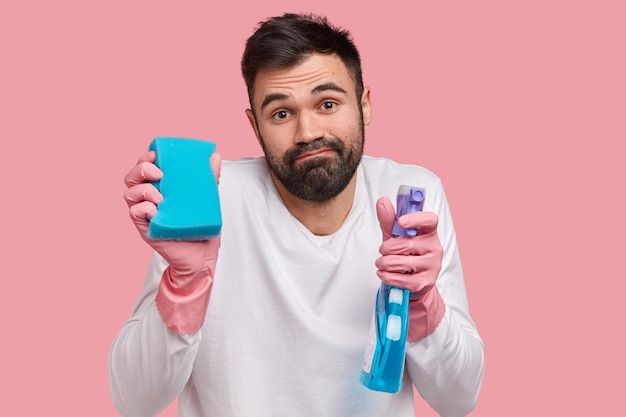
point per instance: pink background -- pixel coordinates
(519, 106)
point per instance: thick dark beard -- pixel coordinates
(317, 179)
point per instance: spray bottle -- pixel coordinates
(383, 364)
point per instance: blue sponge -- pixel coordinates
(190, 209)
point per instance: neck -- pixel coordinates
(322, 218)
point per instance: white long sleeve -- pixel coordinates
(149, 364)
(289, 316)
(447, 366)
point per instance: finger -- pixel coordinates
(406, 264)
(142, 192)
(386, 216)
(142, 172)
(141, 213)
(416, 283)
(149, 156)
(424, 221)
(216, 165)
(417, 245)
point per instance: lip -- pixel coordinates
(317, 152)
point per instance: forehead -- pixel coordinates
(303, 77)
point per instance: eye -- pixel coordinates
(328, 105)
(281, 114)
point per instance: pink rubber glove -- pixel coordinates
(185, 287)
(413, 263)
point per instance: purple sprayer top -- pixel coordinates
(410, 199)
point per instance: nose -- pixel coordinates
(309, 127)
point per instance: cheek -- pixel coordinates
(350, 131)
(350, 123)
(277, 137)
(271, 140)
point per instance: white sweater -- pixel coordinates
(289, 315)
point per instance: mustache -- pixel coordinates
(328, 143)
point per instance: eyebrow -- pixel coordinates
(273, 97)
(318, 89)
(328, 86)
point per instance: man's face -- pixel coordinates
(310, 125)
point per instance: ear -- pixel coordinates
(253, 124)
(366, 105)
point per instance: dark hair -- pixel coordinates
(286, 40)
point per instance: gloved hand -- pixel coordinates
(413, 263)
(185, 287)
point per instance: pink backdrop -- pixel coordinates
(520, 108)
